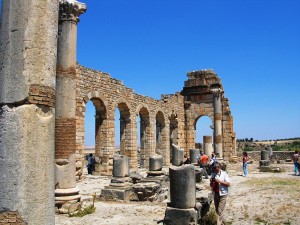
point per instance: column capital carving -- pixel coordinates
(70, 10)
(216, 91)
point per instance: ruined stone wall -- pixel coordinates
(204, 96)
(107, 94)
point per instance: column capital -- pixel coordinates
(70, 10)
(216, 91)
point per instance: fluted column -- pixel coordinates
(65, 118)
(218, 146)
(28, 43)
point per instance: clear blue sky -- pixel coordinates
(253, 45)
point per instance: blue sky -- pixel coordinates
(253, 45)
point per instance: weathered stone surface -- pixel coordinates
(177, 155)
(182, 187)
(264, 155)
(175, 216)
(120, 166)
(264, 163)
(193, 155)
(156, 163)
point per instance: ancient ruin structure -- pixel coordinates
(43, 96)
(28, 43)
(65, 110)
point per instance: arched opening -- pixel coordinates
(173, 132)
(95, 116)
(122, 128)
(160, 134)
(203, 127)
(143, 136)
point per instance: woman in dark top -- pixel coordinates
(245, 162)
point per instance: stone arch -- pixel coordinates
(174, 137)
(162, 136)
(210, 116)
(145, 135)
(101, 125)
(125, 126)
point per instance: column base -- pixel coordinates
(63, 196)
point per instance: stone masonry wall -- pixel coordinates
(110, 93)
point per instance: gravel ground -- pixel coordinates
(260, 198)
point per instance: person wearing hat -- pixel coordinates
(220, 183)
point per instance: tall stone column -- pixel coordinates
(65, 118)
(28, 47)
(218, 146)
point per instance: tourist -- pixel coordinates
(91, 164)
(202, 161)
(212, 162)
(186, 159)
(295, 160)
(219, 183)
(245, 163)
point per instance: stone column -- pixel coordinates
(65, 118)
(28, 47)
(218, 146)
(207, 144)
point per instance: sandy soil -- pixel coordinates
(260, 198)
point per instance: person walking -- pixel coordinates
(295, 161)
(211, 162)
(90, 164)
(202, 161)
(245, 163)
(220, 183)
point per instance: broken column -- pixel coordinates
(120, 187)
(194, 153)
(181, 210)
(177, 155)
(65, 118)
(264, 159)
(156, 163)
(28, 43)
(120, 166)
(207, 145)
(218, 146)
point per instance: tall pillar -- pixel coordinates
(65, 118)
(218, 146)
(28, 47)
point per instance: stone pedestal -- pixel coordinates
(175, 216)
(177, 155)
(156, 163)
(120, 166)
(264, 163)
(193, 155)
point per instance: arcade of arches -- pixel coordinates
(170, 120)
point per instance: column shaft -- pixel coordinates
(28, 43)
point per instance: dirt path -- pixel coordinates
(260, 198)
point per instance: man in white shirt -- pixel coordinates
(219, 182)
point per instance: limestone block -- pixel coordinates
(120, 166)
(175, 216)
(182, 186)
(177, 155)
(264, 163)
(66, 172)
(27, 162)
(264, 155)
(156, 162)
(193, 155)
